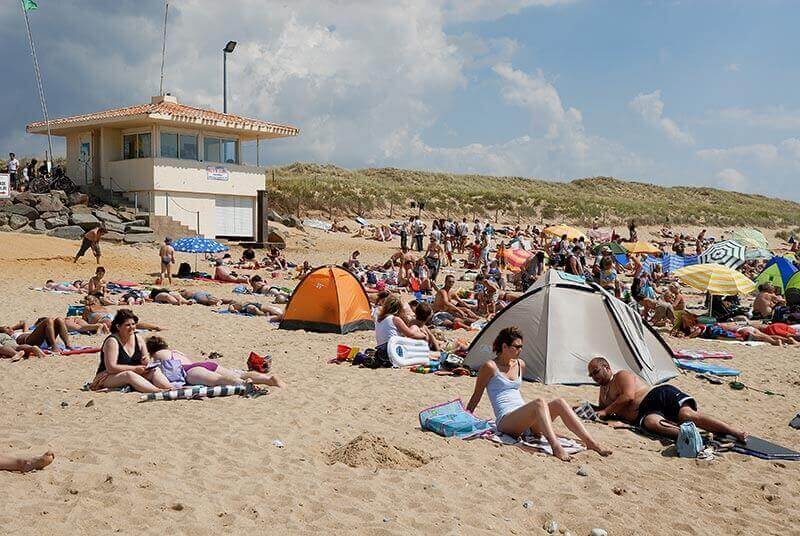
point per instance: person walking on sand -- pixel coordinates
(13, 167)
(501, 378)
(167, 254)
(91, 240)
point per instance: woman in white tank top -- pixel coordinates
(389, 323)
(502, 378)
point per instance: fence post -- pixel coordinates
(166, 203)
(198, 223)
(136, 202)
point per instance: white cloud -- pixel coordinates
(772, 118)
(762, 152)
(732, 179)
(484, 10)
(732, 67)
(651, 108)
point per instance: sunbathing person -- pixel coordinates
(765, 301)
(76, 323)
(390, 323)
(208, 372)
(9, 348)
(688, 326)
(25, 465)
(124, 359)
(46, 330)
(96, 283)
(222, 274)
(273, 313)
(422, 317)
(277, 259)
(170, 297)
(502, 377)
(63, 286)
(445, 298)
(203, 297)
(260, 287)
(96, 313)
(657, 409)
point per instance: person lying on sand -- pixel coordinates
(124, 359)
(46, 330)
(765, 301)
(273, 313)
(208, 372)
(688, 326)
(448, 301)
(76, 323)
(25, 465)
(203, 297)
(260, 287)
(96, 313)
(169, 297)
(222, 274)
(63, 286)
(625, 396)
(10, 349)
(502, 377)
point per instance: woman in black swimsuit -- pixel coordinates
(124, 359)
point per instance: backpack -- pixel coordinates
(259, 363)
(184, 270)
(689, 443)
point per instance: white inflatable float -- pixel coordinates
(405, 352)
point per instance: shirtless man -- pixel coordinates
(623, 395)
(167, 255)
(222, 274)
(765, 301)
(91, 240)
(445, 298)
(401, 257)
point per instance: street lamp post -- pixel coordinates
(225, 51)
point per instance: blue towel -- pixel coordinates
(700, 366)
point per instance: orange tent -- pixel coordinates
(329, 300)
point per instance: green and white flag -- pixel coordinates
(29, 5)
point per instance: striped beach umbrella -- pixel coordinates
(752, 238)
(728, 253)
(516, 257)
(715, 279)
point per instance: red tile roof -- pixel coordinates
(174, 112)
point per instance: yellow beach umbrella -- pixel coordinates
(640, 247)
(561, 230)
(715, 279)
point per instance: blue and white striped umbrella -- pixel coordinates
(197, 244)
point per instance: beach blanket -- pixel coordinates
(317, 224)
(227, 312)
(196, 391)
(538, 443)
(241, 289)
(75, 350)
(742, 343)
(702, 354)
(699, 366)
(42, 289)
(362, 222)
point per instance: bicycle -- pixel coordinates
(58, 180)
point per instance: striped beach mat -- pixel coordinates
(196, 391)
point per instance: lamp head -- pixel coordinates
(229, 47)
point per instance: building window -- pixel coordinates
(187, 147)
(169, 145)
(220, 150)
(136, 146)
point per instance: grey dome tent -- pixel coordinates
(567, 321)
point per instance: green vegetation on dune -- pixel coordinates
(299, 188)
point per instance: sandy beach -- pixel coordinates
(280, 462)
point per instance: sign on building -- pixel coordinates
(5, 185)
(217, 173)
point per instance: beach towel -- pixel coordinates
(702, 354)
(362, 222)
(75, 310)
(42, 289)
(742, 343)
(699, 366)
(451, 419)
(317, 224)
(197, 391)
(76, 350)
(538, 443)
(241, 289)
(237, 313)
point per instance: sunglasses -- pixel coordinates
(516, 346)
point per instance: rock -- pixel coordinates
(70, 232)
(77, 198)
(177, 507)
(106, 217)
(23, 210)
(4, 202)
(136, 223)
(137, 229)
(113, 236)
(64, 404)
(114, 227)
(3, 218)
(138, 238)
(126, 215)
(47, 215)
(85, 221)
(58, 221)
(15, 221)
(527, 504)
(39, 225)
(108, 209)
(582, 471)
(598, 532)
(26, 198)
(274, 216)
(89, 404)
(61, 195)
(551, 526)
(5, 228)
(49, 204)
(80, 209)
(293, 221)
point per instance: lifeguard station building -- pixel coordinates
(172, 160)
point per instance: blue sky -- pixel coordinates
(669, 92)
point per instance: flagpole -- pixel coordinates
(163, 48)
(38, 78)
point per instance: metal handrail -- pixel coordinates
(195, 212)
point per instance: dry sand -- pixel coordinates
(354, 459)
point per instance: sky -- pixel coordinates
(669, 92)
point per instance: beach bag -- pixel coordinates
(259, 363)
(173, 370)
(185, 270)
(451, 419)
(689, 443)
